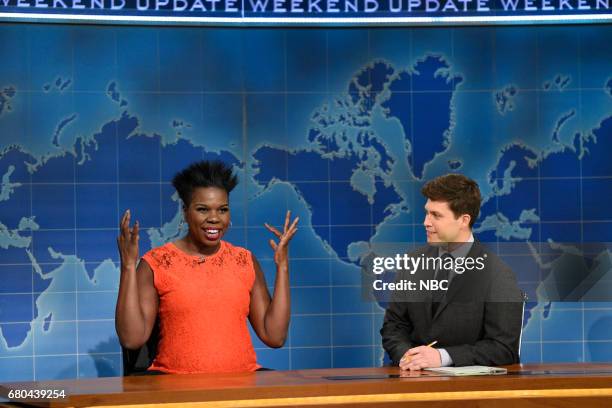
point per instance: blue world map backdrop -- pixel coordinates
(342, 126)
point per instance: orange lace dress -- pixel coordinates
(203, 310)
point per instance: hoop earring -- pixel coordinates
(181, 224)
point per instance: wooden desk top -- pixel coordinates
(559, 385)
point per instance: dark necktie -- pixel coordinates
(441, 274)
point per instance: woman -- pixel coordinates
(200, 287)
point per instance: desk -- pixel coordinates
(559, 385)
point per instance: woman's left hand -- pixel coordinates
(281, 248)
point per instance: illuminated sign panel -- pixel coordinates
(309, 12)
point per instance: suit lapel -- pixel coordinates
(458, 281)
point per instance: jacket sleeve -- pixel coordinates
(397, 328)
(396, 331)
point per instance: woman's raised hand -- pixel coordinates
(281, 248)
(127, 241)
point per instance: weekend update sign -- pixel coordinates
(308, 12)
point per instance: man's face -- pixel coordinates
(442, 226)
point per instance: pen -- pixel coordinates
(429, 345)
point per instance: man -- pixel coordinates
(477, 321)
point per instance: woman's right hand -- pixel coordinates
(127, 241)
(137, 299)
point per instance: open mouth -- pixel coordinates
(212, 234)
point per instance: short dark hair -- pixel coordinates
(203, 174)
(461, 193)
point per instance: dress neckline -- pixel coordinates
(200, 257)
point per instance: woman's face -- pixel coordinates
(208, 216)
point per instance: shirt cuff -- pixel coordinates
(445, 358)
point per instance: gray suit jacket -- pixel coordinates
(478, 321)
